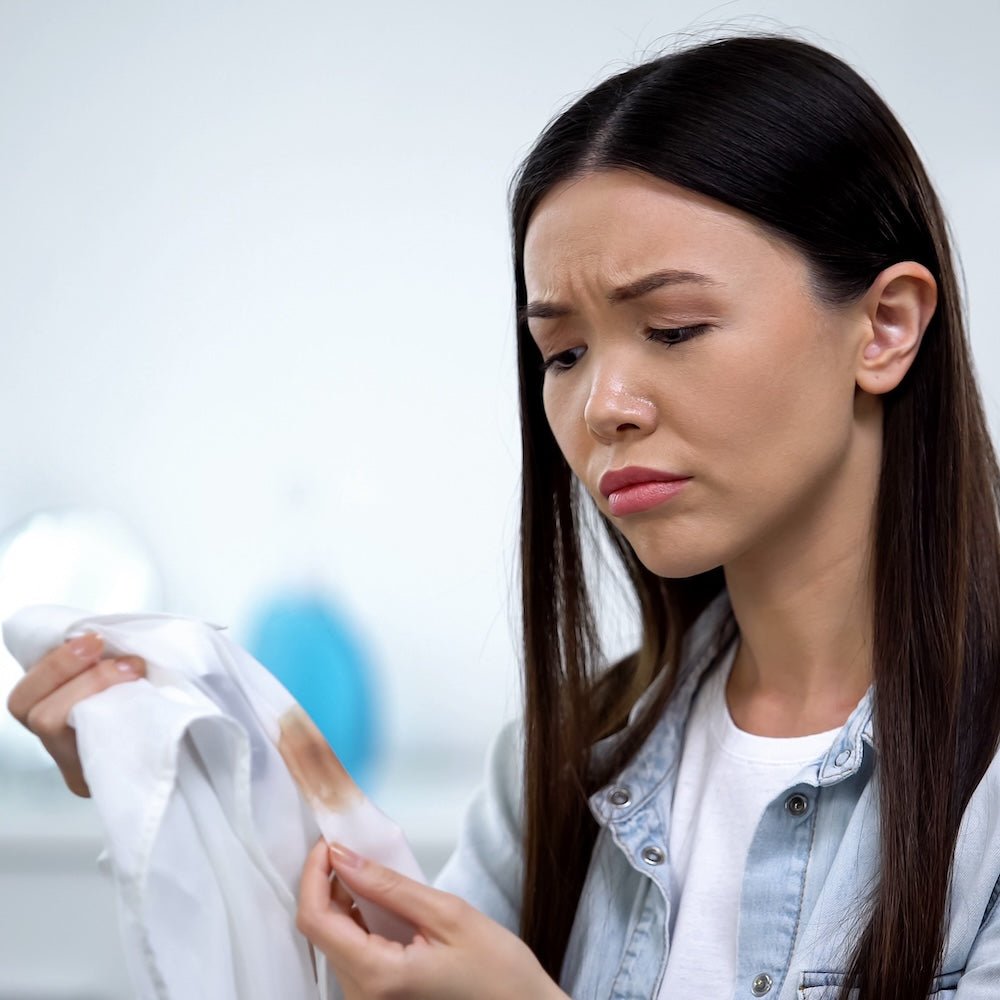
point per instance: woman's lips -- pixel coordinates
(643, 496)
(635, 488)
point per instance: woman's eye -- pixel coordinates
(678, 334)
(563, 360)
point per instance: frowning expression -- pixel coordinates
(679, 337)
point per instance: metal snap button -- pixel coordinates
(619, 797)
(653, 856)
(761, 984)
(796, 804)
(842, 758)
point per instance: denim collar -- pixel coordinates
(658, 758)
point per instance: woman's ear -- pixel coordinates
(896, 311)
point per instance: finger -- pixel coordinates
(339, 895)
(439, 914)
(59, 665)
(358, 917)
(320, 918)
(48, 719)
(344, 902)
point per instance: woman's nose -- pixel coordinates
(616, 406)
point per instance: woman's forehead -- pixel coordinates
(614, 215)
(613, 227)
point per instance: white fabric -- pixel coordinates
(726, 779)
(205, 828)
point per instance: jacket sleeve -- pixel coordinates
(981, 978)
(486, 866)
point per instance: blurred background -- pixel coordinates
(257, 354)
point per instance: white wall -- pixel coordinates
(250, 245)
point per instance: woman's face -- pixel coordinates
(756, 408)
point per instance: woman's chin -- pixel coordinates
(676, 565)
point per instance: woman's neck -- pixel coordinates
(803, 603)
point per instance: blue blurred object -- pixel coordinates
(302, 639)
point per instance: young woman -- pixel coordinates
(741, 351)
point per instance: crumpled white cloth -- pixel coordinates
(206, 828)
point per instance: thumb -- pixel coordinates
(435, 914)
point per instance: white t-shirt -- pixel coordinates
(726, 779)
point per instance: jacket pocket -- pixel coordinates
(826, 986)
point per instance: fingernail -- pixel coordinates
(127, 666)
(346, 857)
(85, 646)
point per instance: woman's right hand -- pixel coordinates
(42, 699)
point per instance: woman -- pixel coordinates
(741, 350)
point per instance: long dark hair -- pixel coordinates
(795, 138)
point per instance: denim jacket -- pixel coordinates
(814, 852)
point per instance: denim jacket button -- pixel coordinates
(797, 805)
(652, 856)
(761, 985)
(619, 797)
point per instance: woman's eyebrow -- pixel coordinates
(633, 290)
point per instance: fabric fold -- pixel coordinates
(211, 784)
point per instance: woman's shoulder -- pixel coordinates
(981, 818)
(976, 871)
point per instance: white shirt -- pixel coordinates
(207, 820)
(725, 780)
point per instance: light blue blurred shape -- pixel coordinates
(310, 646)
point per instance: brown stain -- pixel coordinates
(321, 778)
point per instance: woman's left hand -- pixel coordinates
(458, 953)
